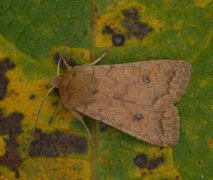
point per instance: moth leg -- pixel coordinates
(100, 58)
(78, 116)
(58, 67)
(58, 109)
(41, 105)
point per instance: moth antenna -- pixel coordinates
(80, 118)
(101, 57)
(48, 92)
(58, 109)
(42, 103)
(66, 64)
(58, 67)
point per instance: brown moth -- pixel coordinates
(137, 98)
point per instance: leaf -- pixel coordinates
(33, 33)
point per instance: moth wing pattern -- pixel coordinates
(138, 98)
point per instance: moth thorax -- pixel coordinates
(77, 88)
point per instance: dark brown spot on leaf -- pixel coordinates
(11, 158)
(102, 127)
(131, 13)
(5, 65)
(140, 30)
(3, 85)
(140, 160)
(133, 25)
(85, 33)
(96, 9)
(118, 39)
(11, 124)
(55, 103)
(177, 177)
(138, 116)
(56, 144)
(155, 162)
(199, 162)
(108, 30)
(69, 61)
(32, 96)
(1, 112)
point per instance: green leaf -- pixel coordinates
(32, 33)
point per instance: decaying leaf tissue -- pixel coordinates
(136, 98)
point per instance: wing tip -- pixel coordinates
(181, 80)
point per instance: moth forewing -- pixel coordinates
(136, 98)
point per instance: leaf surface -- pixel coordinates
(34, 33)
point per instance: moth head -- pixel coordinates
(56, 81)
(61, 81)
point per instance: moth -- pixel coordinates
(137, 98)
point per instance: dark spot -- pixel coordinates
(131, 13)
(145, 79)
(1, 112)
(3, 85)
(96, 9)
(155, 162)
(140, 30)
(11, 124)
(108, 30)
(199, 162)
(32, 96)
(55, 103)
(138, 116)
(118, 39)
(102, 127)
(5, 65)
(69, 61)
(11, 158)
(144, 174)
(177, 177)
(133, 25)
(161, 148)
(85, 33)
(140, 160)
(56, 92)
(56, 144)
(137, 29)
